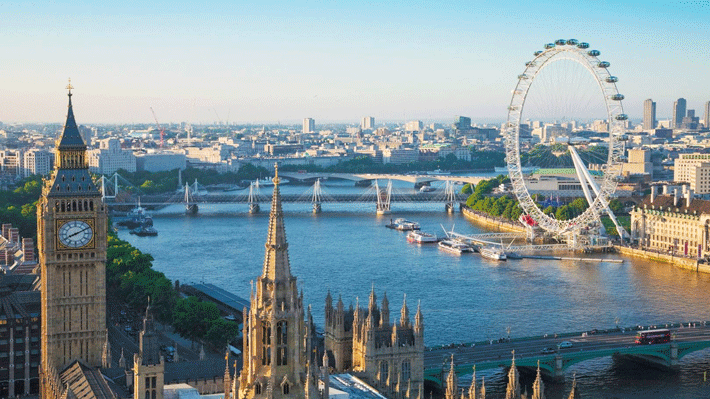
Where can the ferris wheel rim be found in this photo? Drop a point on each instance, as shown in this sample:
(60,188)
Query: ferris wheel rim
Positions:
(578,52)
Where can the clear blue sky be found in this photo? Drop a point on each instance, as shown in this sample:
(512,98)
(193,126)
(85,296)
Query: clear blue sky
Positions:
(271,61)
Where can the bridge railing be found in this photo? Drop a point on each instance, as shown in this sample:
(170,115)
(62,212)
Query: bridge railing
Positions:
(634,329)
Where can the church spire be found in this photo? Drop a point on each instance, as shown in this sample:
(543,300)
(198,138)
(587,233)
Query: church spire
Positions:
(404,313)
(472,388)
(71,149)
(276,263)
(512,391)
(452,382)
(538,386)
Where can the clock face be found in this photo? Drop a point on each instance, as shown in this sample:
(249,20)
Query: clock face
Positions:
(75,233)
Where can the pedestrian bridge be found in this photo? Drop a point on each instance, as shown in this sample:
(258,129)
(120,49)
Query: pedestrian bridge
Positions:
(528,351)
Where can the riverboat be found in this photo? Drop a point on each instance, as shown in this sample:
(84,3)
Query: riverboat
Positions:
(420,237)
(437,172)
(454,247)
(403,225)
(492,253)
(145,231)
(426,189)
(136,217)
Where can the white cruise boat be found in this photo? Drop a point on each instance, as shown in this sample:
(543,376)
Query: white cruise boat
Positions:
(403,225)
(493,253)
(454,247)
(421,237)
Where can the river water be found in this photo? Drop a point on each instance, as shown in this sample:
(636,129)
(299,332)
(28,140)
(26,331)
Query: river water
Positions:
(346,249)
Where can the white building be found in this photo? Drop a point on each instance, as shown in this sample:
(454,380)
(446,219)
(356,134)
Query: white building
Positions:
(368,123)
(309,125)
(36,162)
(11,162)
(160,161)
(110,157)
(399,156)
(414,126)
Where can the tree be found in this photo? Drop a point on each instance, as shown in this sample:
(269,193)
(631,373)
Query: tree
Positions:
(467,189)
(221,332)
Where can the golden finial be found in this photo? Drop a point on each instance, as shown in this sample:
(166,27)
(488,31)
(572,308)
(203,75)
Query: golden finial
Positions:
(69,86)
(276,173)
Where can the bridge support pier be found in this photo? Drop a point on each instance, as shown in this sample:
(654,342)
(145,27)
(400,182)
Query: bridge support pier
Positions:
(254,208)
(450,207)
(317,207)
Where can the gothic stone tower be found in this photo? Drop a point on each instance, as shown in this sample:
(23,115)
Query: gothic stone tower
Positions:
(389,355)
(71,235)
(276,361)
(148,365)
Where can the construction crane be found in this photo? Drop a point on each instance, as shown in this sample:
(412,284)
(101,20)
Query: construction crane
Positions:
(160,128)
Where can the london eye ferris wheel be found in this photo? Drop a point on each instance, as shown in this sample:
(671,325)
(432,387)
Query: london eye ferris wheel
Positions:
(549,81)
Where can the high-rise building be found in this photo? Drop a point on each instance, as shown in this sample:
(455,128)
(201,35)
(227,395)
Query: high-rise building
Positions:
(707,115)
(368,123)
(462,123)
(309,125)
(678,112)
(36,162)
(414,126)
(649,114)
(71,237)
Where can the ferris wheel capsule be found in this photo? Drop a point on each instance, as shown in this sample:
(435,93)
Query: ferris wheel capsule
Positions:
(594,53)
(522,76)
(572,42)
(603,64)
(549,46)
(611,79)
(537,53)
(583,45)
(617,97)
(621,117)
(560,42)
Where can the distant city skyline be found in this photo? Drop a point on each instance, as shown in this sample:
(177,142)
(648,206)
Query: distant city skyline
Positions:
(276,61)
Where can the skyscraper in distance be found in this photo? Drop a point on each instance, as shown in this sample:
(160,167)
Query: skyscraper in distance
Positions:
(309,125)
(707,115)
(368,123)
(678,112)
(649,114)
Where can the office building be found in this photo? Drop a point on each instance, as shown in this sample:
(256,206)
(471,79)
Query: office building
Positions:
(110,157)
(36,162)
(368,123)
(707,115)
(678,112)
(649,114)
(309,125)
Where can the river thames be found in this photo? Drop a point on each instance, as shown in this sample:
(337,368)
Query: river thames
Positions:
(346,249)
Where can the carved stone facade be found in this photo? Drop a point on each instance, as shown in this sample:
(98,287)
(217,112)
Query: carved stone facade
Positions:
(389,356)
(278,361)
(71,233)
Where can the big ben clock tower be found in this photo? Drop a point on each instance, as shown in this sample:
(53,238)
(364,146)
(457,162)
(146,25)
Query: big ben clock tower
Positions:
(71,235)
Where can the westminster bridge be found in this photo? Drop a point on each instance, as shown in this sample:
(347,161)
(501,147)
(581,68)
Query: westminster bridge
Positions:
(617,343)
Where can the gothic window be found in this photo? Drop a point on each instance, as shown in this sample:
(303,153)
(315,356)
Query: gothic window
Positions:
(257,389)
(406,370)
(384,371)
(285,388)
(91,205)
(282,343)
(266,344)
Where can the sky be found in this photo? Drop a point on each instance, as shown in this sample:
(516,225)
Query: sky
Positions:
(335,61)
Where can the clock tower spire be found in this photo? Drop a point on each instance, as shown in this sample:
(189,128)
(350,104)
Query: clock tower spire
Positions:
(72,236)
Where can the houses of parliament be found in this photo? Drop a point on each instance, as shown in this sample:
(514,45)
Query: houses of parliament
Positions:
(280,359)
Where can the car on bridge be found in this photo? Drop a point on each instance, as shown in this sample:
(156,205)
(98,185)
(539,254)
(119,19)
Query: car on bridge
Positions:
(547,351)
(564,344)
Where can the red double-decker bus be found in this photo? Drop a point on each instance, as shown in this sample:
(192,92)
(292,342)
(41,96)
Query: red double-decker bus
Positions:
(653,337)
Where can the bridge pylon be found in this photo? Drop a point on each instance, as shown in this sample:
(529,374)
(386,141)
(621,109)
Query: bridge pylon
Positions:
(383,198)
(253,198)
(317,192)
(191,207)
(450,196)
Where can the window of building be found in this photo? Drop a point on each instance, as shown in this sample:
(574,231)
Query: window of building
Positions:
(384,371)
(257,389)
(406,370)
(266,344)
(285,388)
(282,343)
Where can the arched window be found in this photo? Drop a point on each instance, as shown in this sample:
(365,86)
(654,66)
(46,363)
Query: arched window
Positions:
(257,389)
(384,371)
(285,388)
(282,343)
(266,344)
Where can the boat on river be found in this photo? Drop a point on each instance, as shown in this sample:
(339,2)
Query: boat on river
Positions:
(420,237)
(136,218)
(144,231)
(403,225)
(492,253)
(426,189)
(454,247)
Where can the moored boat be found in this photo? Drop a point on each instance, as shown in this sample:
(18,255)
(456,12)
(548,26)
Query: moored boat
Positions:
(426,189)
(492,253)
(403,225)
(421,237)
(454,247)
(145,231)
